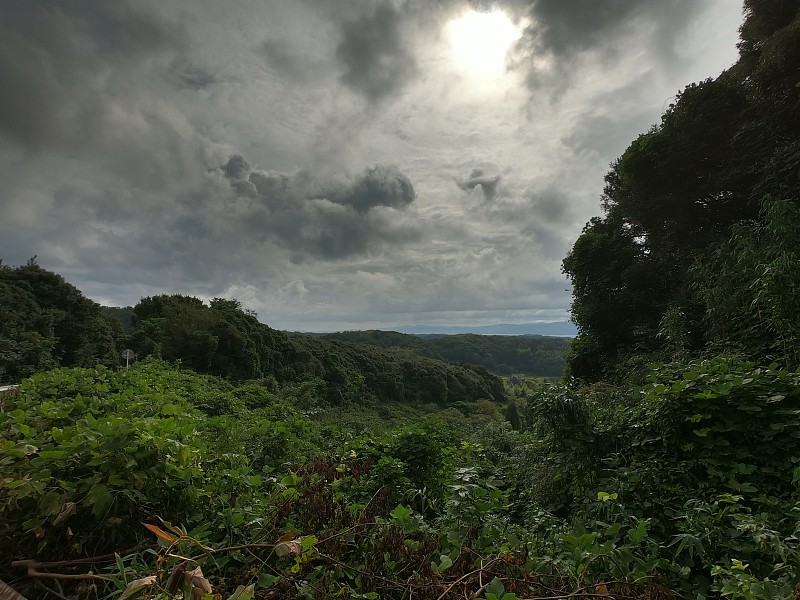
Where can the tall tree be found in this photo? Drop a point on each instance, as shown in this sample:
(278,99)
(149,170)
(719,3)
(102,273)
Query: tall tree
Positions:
(183,328)
(679,189)
(48,322)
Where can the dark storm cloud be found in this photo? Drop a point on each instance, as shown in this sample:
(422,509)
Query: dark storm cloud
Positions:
(550,205)
(292,62)
(564,28)
(56,57)
(477,178)
(378,186)
(327,220)
(236,168)
(560,31)
(375,55)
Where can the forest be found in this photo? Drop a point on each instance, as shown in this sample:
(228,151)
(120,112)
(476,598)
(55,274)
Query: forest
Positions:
(235,461)
(535,355)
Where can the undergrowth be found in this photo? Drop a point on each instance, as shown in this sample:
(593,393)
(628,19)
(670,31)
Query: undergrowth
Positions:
(159,483)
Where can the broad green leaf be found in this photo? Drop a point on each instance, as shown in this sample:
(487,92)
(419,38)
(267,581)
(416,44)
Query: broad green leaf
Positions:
(243,593)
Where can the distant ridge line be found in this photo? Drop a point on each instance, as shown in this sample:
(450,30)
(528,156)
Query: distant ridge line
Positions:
(557,329)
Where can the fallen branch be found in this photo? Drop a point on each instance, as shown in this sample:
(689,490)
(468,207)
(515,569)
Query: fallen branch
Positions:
(464,578)
(32,572)
(32,562)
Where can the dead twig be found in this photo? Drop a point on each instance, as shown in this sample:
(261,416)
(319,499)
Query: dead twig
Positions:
(465,577)
(32,562)
(32,572)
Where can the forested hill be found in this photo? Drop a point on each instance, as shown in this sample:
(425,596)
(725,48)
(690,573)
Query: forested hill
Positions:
(505,355)
(45,322)
(697,246)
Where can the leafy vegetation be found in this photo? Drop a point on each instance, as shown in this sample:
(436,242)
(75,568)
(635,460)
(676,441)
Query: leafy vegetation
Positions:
(723,160)
(684,485)
(666,465)
(46,322)
(538,356)
(223,339)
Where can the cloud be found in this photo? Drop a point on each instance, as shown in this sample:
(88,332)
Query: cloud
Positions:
(193,76)
(374,54)
(56,58)
(378,186)
(245,150)
(560,34)
(236,168)
(328,220)
(477,178)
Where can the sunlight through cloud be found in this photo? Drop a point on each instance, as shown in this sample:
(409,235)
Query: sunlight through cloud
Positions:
(480,41)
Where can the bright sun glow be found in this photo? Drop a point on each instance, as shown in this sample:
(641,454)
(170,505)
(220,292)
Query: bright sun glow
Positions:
(480,41)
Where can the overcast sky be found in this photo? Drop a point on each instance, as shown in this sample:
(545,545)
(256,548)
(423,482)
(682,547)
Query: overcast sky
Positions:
(333,164)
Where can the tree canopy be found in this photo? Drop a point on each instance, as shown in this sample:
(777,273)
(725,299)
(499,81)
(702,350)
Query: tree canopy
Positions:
(47,322)
(679,193)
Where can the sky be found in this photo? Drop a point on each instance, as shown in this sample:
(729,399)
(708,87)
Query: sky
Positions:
(332,164)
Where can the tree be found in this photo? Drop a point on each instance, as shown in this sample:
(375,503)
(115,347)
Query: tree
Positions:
(46,322)
(751,285)
(26,335)
(183,328)
(681,189)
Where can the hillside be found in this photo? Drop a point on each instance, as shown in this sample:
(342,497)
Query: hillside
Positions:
(48,322)
(505,355)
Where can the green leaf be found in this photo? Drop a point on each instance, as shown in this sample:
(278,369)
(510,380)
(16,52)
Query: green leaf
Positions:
(496,587)
(53,454)
(243,593)
(120,567)
(640,533)
(267,580)
(445,562)
(401,513)
(606,497)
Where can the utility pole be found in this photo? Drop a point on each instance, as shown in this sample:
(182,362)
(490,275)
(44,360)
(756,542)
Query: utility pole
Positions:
(128,355)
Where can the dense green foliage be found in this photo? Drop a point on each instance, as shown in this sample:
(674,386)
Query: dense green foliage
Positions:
(724,159)
(46,322)
(688,484)
(534,355)
(309,467)
(223,339)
